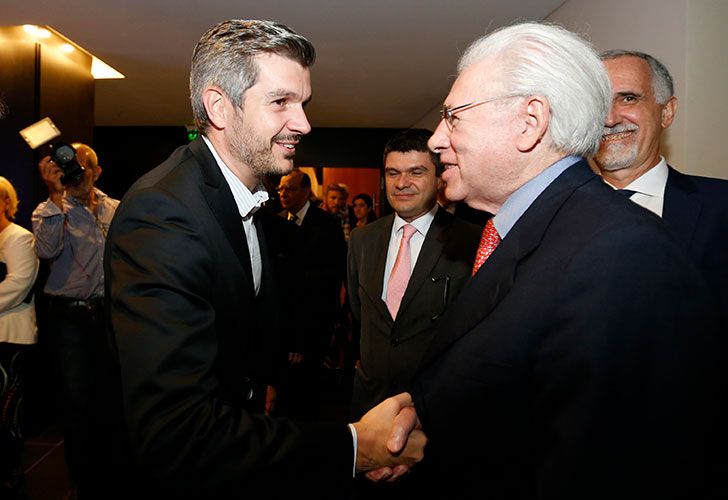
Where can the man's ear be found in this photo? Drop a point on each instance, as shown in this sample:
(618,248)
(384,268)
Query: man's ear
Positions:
(215,105)
(668,112)
(533,121)
(97,172)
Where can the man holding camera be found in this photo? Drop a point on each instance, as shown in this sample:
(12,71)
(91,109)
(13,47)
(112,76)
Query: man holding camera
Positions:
(70,230)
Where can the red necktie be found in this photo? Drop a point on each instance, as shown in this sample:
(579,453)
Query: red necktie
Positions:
(488,243)
(400,275)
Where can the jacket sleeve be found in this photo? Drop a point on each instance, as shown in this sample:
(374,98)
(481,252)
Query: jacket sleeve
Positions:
(185,438)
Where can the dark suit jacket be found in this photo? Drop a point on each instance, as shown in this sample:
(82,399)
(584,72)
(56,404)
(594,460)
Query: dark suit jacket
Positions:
(391,350)
(321,258)
(579,362)
(696,214)
(192,348)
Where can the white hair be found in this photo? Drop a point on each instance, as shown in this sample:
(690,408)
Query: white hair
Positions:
(550,61)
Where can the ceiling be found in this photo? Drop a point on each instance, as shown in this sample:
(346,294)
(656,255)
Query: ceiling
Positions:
(380,63)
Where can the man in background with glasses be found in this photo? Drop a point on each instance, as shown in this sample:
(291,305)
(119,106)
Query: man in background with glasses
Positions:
(581,359)
(321,260)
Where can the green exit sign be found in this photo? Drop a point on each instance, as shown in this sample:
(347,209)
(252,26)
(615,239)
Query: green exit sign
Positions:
(192,134)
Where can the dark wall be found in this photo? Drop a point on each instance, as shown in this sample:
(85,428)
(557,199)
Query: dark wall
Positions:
(35,82)
(343,147)
(19,91)
(126,153)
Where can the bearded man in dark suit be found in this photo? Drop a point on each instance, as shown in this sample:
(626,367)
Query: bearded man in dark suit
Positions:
(190,269)
(694,209)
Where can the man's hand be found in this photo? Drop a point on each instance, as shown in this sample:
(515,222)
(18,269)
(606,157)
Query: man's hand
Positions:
(51,175)
(389,439)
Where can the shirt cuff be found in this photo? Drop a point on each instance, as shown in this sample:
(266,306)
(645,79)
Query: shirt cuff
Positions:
(354,437)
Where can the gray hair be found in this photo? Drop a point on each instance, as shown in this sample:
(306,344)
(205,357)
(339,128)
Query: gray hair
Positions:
(662,85)
(225,57)
(548,60)
(3,109)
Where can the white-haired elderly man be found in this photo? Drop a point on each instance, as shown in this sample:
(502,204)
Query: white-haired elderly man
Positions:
(578,361)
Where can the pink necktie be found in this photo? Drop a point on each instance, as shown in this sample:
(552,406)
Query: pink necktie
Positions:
(399,278)
(488,243)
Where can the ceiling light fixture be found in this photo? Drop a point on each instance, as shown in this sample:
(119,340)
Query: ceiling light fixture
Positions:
(99,69)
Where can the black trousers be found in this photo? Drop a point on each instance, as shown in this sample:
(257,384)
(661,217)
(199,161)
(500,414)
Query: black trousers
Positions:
(12,391)
(79,346)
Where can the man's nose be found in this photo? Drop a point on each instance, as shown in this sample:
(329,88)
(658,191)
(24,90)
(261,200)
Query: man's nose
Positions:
(440,140)
(613,117)
(299,124)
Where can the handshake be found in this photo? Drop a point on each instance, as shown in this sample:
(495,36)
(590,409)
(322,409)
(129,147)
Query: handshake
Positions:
(389,439)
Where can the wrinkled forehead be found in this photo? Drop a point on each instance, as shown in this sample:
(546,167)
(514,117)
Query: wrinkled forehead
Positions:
(629,71)
(483,78)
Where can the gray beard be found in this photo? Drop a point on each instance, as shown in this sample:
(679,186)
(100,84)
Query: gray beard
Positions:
(613,157)
(617,160)
(256,153)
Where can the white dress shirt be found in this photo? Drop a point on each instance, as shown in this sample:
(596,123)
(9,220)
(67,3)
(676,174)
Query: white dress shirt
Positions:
(248,203)
(301,213)
(422,225)
(649,188)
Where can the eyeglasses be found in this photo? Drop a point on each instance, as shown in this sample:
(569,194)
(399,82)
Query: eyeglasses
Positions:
(448,114)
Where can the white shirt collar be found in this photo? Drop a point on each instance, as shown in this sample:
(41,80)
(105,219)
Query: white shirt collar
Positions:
(421,223)
(248,202)
(652,182)
(302,213)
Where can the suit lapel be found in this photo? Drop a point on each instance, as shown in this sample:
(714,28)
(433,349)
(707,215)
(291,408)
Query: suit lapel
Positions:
(220,199)
(495,278)
(430,253)
(681,210)
(374,262)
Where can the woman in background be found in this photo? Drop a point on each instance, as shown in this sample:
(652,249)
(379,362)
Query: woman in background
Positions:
(18,270)
(363,210)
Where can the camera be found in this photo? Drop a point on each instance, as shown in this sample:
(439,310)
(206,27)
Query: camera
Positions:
(64,155)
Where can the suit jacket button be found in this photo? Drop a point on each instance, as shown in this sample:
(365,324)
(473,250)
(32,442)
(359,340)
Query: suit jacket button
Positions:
(395,342)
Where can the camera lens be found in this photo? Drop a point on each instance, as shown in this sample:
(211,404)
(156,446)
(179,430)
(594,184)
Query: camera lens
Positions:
(64,154)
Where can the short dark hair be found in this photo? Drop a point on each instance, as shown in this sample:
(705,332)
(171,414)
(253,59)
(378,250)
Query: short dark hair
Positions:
(365,198)
(413,139)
